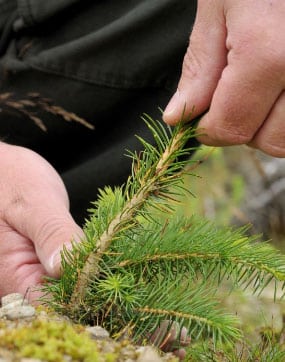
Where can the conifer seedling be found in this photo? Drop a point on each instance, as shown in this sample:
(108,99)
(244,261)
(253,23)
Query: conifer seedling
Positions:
(140,264)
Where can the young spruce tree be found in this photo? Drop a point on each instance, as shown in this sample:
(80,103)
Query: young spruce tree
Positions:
(140,264)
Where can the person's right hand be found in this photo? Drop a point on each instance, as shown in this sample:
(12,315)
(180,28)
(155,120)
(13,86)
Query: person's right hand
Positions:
(35,221)
(233,74)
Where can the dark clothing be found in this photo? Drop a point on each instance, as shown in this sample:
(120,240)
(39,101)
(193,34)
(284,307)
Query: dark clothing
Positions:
(107,61)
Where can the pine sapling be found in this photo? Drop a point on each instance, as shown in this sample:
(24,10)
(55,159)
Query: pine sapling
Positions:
(140,264)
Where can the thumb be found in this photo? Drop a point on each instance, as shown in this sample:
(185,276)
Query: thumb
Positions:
(203,64)
(49,227)
(50,230)
(35,205)
(59,231)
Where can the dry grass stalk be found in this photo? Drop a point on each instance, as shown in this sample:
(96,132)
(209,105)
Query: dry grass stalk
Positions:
(35,102)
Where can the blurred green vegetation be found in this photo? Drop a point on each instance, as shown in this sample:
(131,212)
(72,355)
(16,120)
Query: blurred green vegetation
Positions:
(217,193)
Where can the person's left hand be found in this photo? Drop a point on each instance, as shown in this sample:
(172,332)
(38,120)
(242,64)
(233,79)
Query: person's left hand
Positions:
(35,222)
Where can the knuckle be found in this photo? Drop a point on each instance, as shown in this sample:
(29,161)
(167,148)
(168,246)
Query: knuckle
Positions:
(192,64)
(271,60)
(262,52)
(15,205)
(275,59)
(197,59)
(51,228)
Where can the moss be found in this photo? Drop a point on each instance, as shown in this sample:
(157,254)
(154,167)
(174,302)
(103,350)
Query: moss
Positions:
(50,337)
(53,341)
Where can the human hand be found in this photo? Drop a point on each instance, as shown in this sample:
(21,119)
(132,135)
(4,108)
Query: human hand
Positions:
(34,221)
(234,69)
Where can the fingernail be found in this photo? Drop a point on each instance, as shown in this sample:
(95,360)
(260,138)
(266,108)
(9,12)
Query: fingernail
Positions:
(172,105)
(55,260)
(55,264)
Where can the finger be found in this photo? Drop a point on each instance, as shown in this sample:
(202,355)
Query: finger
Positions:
(20,268)
(253,78)
(48,224)
(271,136)
(50,230)
(202,66)
(38,208)
(236,111)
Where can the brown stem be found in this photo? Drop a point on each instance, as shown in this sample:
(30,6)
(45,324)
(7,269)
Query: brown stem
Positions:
(148,186)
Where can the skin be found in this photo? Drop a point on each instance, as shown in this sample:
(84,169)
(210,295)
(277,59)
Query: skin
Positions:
(234,74)
(35,221)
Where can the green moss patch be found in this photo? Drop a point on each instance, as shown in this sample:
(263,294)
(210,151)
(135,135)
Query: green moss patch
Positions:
(53,341)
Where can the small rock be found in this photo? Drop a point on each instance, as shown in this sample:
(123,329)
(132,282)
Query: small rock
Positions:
(148,354)
(10,298)
(16,304)
(98,332)
(25,311)
(128,352)
(10,306)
